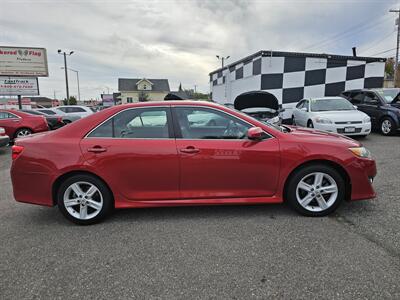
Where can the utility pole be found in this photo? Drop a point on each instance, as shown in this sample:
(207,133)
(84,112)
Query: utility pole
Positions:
(222,59)
(397,44)
(77,79)
(66,70)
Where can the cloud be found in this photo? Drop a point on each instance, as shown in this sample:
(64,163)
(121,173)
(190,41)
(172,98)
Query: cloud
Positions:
(178,39)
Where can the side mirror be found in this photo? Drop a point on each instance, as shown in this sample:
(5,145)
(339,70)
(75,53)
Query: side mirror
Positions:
(255,133)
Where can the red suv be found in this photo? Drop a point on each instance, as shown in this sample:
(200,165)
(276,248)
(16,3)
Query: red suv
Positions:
(19,124)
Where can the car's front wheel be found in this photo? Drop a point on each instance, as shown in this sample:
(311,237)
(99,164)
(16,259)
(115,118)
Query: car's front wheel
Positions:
(315,190)
(387,126)
(310,124)
(84,199)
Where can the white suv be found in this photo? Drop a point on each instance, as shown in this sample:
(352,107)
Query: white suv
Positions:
(76,110)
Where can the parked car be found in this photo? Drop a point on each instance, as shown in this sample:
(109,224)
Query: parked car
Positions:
(260,105)
(332,114)
(382,105)
(66,118)
(171,163)
(18,124)
(4,139)
(76,110)
(54,122)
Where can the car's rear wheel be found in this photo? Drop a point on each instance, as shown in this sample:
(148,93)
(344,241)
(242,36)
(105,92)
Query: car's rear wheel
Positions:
(84,199)
(310,124)
(293,121)
(316,190)
(22,132)
(387,126)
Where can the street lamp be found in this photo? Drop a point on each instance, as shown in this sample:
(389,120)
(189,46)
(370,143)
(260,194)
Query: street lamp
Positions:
(222,59)
(77,79)
(66,72)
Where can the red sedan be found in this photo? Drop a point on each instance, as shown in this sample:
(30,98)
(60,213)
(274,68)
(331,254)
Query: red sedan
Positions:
(18,124)
(171,153)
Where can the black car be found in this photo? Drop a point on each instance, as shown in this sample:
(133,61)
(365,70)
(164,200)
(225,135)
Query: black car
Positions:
(54,122)
(382,105)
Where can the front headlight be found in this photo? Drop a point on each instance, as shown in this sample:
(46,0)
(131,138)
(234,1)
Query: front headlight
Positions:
(361,152)
(367,120)
(323,120)
(274,120)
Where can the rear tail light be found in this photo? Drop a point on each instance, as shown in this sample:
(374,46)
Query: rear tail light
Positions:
(16,151)
(2,131)
(59,119)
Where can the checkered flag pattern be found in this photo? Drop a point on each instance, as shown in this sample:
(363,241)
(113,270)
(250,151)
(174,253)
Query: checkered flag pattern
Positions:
(294,77)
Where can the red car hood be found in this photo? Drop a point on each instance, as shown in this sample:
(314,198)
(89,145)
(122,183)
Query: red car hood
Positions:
(310,134)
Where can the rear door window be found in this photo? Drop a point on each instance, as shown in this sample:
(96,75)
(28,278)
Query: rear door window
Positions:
(143,123)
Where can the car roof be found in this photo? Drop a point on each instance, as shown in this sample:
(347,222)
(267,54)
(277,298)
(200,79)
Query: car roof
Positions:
(16,112)
(325,98)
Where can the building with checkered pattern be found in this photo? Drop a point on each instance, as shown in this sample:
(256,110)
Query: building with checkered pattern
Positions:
(292,76)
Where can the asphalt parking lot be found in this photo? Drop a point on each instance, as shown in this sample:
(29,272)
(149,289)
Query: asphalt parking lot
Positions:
(236,252)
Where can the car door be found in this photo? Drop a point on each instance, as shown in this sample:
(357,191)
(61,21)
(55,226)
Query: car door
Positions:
(296,112)
(135,151)
(9,122)
(303,113)
(371,106)
(218,161)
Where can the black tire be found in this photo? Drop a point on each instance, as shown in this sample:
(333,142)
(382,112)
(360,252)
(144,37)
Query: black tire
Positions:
(293,121)
(290,192)
(310,124)
(390,122)
(107,197)
(19,131)
(66,122)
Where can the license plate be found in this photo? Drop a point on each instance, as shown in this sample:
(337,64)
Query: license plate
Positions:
(349,129)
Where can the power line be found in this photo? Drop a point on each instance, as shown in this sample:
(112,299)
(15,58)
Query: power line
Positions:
(383,52)
(376,43)
(357,28)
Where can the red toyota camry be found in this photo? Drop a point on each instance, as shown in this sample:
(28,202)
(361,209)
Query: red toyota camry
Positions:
(186,153)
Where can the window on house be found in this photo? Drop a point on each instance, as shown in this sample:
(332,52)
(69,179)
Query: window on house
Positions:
(129,100)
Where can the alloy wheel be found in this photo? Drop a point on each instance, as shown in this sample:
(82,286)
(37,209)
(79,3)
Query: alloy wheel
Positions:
(83,200)
(316,192)
(24,132)
(386,126)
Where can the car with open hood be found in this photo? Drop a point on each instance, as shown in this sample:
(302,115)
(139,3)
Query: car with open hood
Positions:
(382,105)
(260,105)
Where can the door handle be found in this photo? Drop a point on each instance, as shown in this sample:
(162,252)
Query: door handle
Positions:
(190,149)
(97,149)
(15,120)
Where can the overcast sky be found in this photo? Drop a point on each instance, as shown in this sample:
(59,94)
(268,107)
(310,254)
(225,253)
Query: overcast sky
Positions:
(178,39)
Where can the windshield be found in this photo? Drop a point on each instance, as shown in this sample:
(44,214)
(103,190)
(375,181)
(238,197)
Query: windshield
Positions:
(388,94)
(331,104)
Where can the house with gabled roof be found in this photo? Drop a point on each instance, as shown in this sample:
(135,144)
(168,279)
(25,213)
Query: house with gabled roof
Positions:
(142,89)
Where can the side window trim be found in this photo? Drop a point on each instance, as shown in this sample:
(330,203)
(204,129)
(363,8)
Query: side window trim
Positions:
(177,129)
(171,131)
